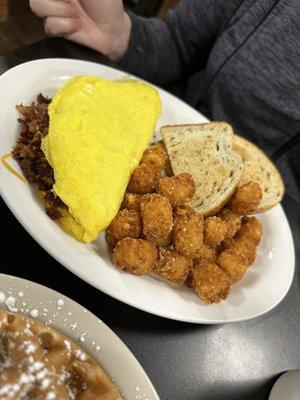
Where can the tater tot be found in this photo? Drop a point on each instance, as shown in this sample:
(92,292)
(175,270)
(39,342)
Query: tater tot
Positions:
(178,189)
(215,231)
(173,266)
(245,247)
(187,234)
(137,256)
(143,179)
(246,199)
(155,157)
(131,201)
(127,223)
(232,220)
(209,282)
(246,239)
(206,253)
(251,230)
(157,216)
(248,249)
(233,263)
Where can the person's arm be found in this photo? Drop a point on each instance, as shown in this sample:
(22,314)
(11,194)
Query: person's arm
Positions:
(162,50)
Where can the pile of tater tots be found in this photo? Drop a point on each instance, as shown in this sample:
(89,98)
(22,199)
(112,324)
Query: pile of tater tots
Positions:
(156,232)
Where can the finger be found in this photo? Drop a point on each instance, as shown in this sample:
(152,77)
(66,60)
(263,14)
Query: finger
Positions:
(52,8)
(55,26)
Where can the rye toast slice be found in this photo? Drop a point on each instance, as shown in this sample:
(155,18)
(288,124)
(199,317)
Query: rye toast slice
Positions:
(205,151)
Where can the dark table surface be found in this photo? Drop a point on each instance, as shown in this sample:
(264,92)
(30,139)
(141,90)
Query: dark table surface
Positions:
(184,361)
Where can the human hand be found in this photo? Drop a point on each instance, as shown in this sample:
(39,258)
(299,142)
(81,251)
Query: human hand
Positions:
(102,25)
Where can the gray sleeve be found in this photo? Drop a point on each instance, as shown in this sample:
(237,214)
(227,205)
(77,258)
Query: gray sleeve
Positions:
(164,50)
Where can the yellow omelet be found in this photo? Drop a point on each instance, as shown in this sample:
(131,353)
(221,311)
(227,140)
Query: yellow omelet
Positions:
(98,131)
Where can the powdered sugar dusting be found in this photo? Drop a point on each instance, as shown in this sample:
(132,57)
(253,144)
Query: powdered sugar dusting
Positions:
(60,302)
(2,297)
(11,301)
(10,304)
(50,396)
(67,345)
(34,313)
(24,347)
(74,326)
(80,355)
(15,300)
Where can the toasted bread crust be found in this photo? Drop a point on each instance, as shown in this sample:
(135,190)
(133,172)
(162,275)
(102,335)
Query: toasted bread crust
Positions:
(259,168)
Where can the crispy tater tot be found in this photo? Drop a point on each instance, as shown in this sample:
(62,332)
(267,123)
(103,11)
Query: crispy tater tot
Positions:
(232,220)
(155,157)
(233,263)
(131,201)
(246,239)
(157,216)
(248,249)
(251,230)
(178,189)
(173,266)
(137,256)
(187,234)
(143,179)
(215,231)
(209,282)
(127,223)
(206,253)
(244,246)
(246,199)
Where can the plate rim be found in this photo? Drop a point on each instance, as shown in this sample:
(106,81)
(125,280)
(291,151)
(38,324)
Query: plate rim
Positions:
(57,257)
(85,310)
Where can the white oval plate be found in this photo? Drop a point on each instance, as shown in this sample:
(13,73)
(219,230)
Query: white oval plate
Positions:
(265,283)
(83,328)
